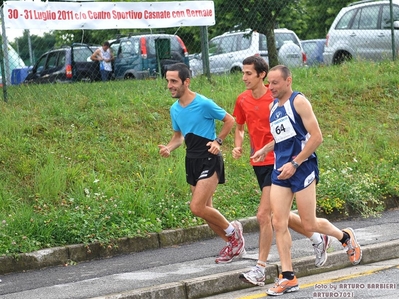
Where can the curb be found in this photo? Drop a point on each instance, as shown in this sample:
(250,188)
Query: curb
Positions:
(227,282)
(61,256)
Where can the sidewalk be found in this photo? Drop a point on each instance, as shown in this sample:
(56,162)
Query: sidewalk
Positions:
(161,268)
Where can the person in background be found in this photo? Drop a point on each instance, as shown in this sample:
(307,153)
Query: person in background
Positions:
(193,119)
(105,56)
(296,135)
(252,109)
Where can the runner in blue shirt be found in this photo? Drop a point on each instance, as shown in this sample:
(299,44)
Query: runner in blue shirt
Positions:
(193,120)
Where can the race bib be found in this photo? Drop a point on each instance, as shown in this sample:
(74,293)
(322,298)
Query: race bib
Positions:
(282,129)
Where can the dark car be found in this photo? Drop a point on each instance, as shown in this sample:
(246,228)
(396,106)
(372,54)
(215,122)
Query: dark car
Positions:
(314,49)
(147,55)
(64,65)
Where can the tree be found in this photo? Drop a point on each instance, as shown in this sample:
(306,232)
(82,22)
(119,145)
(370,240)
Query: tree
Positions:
(39,45)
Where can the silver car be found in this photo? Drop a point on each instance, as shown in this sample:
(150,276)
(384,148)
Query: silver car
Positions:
(227,51)
(362,30)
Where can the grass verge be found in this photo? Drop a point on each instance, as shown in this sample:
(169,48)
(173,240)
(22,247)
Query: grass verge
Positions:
(79,163)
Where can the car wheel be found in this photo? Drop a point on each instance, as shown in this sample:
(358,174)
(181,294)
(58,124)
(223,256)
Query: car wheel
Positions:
(342,57)
(235,70)
(129,76)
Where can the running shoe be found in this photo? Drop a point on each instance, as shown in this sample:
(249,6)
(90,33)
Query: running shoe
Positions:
(237,239)
(320,250)
(254,276)
(235,247)
(352,247)
(283,286)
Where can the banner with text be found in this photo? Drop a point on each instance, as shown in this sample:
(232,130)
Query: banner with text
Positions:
(107,15)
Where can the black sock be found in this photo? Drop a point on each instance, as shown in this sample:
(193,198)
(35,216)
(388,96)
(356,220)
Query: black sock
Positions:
(345,238)
(288,275)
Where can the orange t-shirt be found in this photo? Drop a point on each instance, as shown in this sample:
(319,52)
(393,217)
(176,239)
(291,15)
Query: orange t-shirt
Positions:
(255,113)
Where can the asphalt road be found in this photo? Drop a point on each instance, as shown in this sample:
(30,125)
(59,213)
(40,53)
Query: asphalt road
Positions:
(376,280)
(190,264)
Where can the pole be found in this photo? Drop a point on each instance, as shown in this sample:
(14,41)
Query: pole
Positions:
(4,57)
(205,51)
(392,31)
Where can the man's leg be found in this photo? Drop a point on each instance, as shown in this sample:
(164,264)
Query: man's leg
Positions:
(295,224)
(281,202)
(265,224)
(201,206)
(306,202)
(218,230)
(319,241)
(257,275)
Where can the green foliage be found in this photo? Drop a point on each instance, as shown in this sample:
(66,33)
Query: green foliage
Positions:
(79,163)
(318,17)
(40,44)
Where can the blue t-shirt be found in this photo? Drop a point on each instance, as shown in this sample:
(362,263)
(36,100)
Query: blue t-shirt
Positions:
(196,122)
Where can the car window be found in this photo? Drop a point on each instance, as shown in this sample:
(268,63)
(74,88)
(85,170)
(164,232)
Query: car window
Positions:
(309,47)
(52,60)
(366,18)
(41,63)
(262,42)
(214,46)
(281,38)
(61,58)
(151,45)
(386,17)
(345,21)
(81,54)
(175,45)
(228,44)
(130,47)
(246,40)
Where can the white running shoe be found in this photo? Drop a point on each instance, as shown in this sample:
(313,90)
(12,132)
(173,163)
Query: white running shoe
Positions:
(320,250)
(254,276)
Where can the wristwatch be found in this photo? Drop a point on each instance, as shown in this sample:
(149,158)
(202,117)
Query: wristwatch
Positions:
(296,165)
(219,140)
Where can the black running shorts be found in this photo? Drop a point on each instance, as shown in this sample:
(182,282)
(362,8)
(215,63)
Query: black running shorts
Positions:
(203,168)
(264,175)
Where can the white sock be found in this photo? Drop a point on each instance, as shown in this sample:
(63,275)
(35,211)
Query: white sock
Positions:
(316,238)
(229,230)
(261,265)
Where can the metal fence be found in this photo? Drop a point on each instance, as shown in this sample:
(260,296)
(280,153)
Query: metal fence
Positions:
(243,28)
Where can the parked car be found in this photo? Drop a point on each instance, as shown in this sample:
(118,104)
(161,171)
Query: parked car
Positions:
(64,65)
(314,49)
(227,51)
(362,30)
(147,55)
